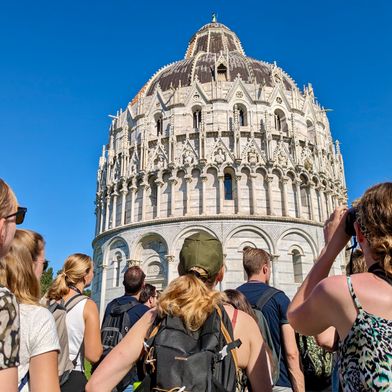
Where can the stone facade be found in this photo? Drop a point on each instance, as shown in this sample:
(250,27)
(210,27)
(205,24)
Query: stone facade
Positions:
(222,143)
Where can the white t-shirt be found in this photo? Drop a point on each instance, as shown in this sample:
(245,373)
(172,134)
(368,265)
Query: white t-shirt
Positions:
(38,335)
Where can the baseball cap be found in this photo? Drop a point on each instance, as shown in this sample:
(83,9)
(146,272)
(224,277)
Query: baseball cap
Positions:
(201,250)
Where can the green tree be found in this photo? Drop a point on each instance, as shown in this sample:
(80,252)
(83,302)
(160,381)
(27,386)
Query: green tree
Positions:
(46,280)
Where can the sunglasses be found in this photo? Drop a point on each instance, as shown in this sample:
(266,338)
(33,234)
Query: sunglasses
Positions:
(46,263)
(19,214)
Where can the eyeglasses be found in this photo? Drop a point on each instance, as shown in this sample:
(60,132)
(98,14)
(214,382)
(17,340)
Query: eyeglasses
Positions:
(46,263)
(19,214)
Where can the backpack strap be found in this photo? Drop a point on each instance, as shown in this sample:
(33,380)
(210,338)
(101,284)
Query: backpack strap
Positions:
(266,296)
(24,381)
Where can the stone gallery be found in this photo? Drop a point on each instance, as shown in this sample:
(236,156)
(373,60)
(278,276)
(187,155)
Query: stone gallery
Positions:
(222,143)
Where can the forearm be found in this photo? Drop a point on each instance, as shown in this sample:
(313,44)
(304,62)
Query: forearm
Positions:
(296,375)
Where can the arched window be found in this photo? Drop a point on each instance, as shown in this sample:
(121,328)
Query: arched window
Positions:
(222,73)
(159,126)
(241,117)
(297,266)
(196,119)
(228,187)
(280,121)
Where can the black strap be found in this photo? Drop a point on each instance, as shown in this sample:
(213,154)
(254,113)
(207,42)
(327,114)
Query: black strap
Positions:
(266,296)
(377,270)
(24,381)
(75,289)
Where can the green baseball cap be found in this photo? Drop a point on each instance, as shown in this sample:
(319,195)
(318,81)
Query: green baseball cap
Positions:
(203,251)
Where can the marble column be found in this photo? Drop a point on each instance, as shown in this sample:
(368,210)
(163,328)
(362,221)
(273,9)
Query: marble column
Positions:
(298,198)
(173,182)
(114,210)
(144,187)
(312,214)
(107,212)
(133,190)
(238,193)
(270,208)
(124,192)
(203,194)
(102,305)
(285,204)
(221,192)
(171,268)
(320,203)
(253,199)
(275,272)
(188,181)
(159,184)
(101,213)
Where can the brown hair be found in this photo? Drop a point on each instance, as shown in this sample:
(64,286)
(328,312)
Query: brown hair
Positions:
(17,273)
(358,263)
(33,241)
(374,217)
(253,260)
(239,301)
(75,268)
(133,280)
(7,199)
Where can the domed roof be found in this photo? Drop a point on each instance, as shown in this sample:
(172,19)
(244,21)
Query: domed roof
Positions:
(214,53)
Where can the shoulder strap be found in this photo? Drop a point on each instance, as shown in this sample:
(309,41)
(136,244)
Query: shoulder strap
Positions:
(24,381)
(354,297)
(266,296)
(234,319)
(73,301)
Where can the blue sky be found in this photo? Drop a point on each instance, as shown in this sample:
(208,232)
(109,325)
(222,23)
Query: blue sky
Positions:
(65,66)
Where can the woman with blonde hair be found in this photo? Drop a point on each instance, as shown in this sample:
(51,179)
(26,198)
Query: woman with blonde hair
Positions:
(358,306)
(39,344)
(84,339)
(10,216)
(191,298)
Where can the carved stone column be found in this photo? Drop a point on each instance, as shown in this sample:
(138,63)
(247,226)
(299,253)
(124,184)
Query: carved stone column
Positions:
(103,291)
(173,182)
(221,193)
(253,200)
(101,213)
(133,263)
(124,192)
(320,202)
(114,209)
(238,193)
(107,212)
(188,181)
(144,187)
(203,194)
(270,209)
(133,190)
(298,198)
(312,213)
(285,204)
(171,267)
(159,184)
(275,272)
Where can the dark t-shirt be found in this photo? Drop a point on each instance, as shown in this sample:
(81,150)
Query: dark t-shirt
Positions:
(275,312)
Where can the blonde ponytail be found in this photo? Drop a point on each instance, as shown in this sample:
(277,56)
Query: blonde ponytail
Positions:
(188,298)
(75,268)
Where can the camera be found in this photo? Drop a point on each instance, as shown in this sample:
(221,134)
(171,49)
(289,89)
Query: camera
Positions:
(350,219)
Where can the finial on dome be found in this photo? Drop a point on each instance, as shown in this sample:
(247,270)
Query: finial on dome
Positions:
(214,18)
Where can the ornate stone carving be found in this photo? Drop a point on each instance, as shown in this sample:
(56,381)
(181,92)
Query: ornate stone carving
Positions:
(219,156)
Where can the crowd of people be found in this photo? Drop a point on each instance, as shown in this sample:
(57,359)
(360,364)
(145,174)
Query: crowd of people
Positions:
(192,337)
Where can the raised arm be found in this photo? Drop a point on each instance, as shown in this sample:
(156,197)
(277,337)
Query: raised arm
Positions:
(118,362)
(92,334)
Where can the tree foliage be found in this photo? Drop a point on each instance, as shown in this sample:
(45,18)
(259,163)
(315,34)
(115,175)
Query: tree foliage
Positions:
(46,280)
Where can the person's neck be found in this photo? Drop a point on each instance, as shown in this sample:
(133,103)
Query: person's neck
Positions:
(80,286)
(257,278)
(133,295)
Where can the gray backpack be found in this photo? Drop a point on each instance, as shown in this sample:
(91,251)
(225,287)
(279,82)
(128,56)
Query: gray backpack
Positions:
(59,311)
(265,331)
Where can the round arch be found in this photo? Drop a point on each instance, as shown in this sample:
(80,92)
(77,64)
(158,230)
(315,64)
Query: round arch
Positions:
(304,235)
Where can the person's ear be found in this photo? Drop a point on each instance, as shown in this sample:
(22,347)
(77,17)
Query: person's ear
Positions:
(221,274)
(265,269)
(360,237)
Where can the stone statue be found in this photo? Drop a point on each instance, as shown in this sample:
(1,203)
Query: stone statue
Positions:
(187,157)
(220,157)
(252,156)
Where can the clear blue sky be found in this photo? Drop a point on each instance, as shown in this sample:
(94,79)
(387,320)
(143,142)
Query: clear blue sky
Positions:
(66,65)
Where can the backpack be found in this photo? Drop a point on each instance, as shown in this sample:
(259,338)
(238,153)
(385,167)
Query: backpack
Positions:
(265,331)
(181,360)
(59,311)
(114,327)
(316,363)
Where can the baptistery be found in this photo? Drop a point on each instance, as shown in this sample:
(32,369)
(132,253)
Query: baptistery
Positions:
(222,143)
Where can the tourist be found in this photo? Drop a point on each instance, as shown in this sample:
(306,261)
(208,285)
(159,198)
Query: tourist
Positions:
(39,345)
(359,307)
(82,320)
(191,298)
(10,216)
(257,265)
(148,295)
(131,304)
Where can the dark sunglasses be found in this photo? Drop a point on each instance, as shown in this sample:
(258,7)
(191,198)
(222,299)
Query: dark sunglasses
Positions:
(46,263)
(19,214)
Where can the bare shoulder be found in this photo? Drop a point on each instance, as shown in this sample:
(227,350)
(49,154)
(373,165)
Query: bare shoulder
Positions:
(90,304)
(332,286)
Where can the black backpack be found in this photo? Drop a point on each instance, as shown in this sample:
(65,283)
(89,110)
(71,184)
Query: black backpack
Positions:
(114,327)
(180,360)
(265,330)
